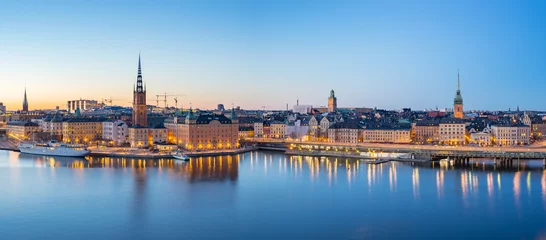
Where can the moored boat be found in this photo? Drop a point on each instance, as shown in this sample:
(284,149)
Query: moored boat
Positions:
(180,155)
(53,148)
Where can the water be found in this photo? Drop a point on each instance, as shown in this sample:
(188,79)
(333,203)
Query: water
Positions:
(266,195)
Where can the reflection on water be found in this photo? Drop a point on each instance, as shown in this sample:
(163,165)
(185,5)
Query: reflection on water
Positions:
(298,186)
(197,169)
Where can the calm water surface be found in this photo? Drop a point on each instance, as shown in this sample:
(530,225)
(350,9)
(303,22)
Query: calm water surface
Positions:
(267,195)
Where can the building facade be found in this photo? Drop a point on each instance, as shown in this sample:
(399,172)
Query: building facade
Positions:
(452,131)
(115,132)
(207,131)
(278,130)
(21,130)
(481,138)
(426,132)
(138,137)
(389,135)
(82,130)
(344,133)
(511,134)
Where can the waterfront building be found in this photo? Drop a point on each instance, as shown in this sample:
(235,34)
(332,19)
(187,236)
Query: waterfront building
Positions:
(452,131)
(326,123)
(138,137)
(538,129)
(246,132)
(332,102)
(278,130)
(511,134)
(344,132)
(82,130)
(157,135)
(21,130)
(115,132)
(297,129)
(426,132)
(25,102)
(458,101)
(204,131)
(82,104)
(386,135)
(259,129)
(481,138)
(314,127)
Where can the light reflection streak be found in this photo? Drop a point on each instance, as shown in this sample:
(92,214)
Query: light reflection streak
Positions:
(415,182)
(543,184)
(440,183)
(490,185)
(517,188)
(529,183)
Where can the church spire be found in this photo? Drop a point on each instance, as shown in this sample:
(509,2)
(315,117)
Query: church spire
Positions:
(458,80)
(139,69)
(139,87)
(25,101)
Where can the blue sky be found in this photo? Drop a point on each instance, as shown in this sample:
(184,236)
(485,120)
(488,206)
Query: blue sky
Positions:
(384,54)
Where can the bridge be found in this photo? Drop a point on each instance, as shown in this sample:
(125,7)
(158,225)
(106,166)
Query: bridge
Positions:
(416,153)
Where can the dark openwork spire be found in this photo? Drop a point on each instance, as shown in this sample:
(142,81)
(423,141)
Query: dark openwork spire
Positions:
(139,87)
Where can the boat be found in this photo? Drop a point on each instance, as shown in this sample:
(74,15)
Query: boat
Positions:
(54,148)
(180,155)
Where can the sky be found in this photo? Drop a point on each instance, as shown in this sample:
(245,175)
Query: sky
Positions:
(266,54)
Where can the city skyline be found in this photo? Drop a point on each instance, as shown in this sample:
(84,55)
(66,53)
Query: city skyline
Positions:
(255,55)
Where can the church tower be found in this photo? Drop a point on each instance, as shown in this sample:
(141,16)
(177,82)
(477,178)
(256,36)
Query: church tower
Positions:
(332,102)
(140,115)
(25,102)
(458,101)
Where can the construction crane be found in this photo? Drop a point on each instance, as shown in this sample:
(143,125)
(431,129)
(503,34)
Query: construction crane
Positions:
(165,98)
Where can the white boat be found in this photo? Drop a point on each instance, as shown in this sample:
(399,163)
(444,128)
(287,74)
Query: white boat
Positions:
(180,155)
(54,148)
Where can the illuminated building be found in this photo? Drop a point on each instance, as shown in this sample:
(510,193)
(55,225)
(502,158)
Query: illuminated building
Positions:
(482,138)
(204,131)
(344,132)
(386,135)
(82,130)
(426,132)
(278,130)
(452,131)
(511,134)
(115,132)
(138,137)
(21,129)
